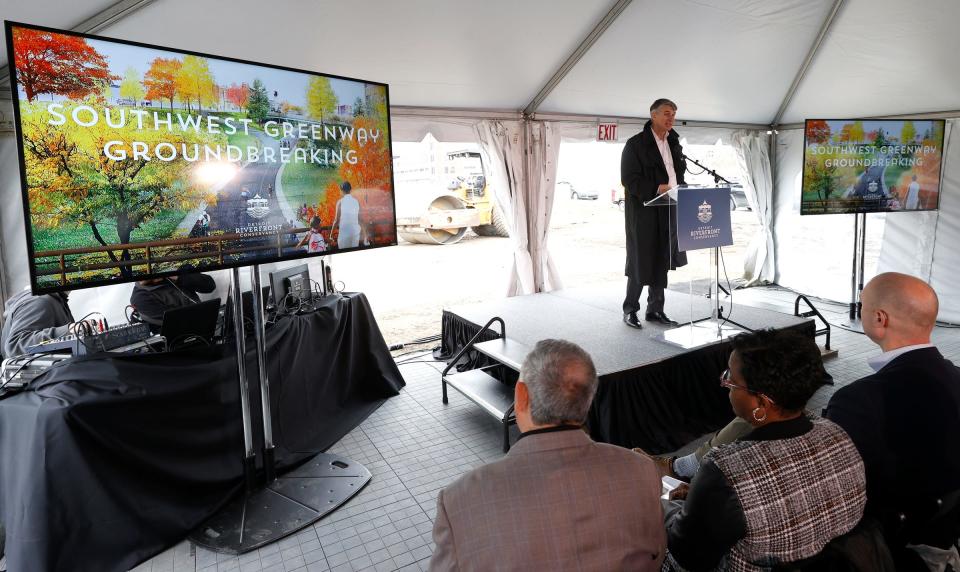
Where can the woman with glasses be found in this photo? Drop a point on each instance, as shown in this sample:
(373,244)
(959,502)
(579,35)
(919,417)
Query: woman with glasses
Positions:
(780,493)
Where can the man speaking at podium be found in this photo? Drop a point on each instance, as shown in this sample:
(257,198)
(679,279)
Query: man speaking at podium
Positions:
(652,163)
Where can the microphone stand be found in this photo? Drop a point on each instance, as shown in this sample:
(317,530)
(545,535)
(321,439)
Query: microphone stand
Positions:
(716,177)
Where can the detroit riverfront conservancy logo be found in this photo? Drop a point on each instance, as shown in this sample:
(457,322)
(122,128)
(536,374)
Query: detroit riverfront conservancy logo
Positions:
(705,212)
(257,207)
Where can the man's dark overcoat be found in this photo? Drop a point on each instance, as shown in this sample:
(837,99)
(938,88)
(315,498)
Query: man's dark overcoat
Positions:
(641,171)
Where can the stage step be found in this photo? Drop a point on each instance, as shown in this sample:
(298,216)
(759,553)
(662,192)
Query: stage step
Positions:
(495,397)
(505,351)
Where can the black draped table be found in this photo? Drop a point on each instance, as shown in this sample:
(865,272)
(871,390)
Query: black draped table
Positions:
(109,459)
(651,395)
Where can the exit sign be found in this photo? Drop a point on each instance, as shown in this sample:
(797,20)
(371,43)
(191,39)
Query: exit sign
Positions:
(607,132)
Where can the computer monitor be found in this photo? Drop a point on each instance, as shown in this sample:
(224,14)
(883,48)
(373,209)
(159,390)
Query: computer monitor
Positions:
(186,324)
(290,286)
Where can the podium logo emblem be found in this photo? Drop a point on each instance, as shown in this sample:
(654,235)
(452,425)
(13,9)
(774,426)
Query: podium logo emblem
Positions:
(705,212)
(257,207)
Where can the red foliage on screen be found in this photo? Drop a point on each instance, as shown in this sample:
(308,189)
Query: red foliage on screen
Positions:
(58,63)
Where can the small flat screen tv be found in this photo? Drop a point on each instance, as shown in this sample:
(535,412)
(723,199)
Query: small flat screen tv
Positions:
(291,286)
(137,161)
(871,165)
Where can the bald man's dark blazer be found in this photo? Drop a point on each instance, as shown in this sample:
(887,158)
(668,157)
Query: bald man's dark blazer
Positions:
(905,421)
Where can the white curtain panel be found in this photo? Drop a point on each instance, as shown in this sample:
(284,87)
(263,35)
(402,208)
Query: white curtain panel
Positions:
(945,266)
(544,142)
(501,145)
(753,155)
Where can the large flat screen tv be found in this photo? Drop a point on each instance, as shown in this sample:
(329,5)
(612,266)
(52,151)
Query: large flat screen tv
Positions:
(138,161)
(869,165)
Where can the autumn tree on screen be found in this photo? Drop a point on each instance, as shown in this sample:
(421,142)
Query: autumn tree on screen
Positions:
(238,95)
(60,64)
(195,83)
(288,108)
(908,133)
(130,87)
(372,169)
(818,131)
(819,178)
(377,108)
(160,80)
(321,100)
(856,133)
(72,182)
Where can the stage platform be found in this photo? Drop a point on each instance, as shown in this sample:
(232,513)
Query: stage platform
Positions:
(652,394)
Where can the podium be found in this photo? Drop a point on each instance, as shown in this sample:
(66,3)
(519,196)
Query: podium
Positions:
(702,221)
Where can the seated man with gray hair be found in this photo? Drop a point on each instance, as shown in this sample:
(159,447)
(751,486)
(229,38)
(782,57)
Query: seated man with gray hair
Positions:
(557,500)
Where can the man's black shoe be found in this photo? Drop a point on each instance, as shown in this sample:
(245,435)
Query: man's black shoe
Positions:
(661,318)
(631,319)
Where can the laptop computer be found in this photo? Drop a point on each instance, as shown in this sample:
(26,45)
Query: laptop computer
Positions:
(191,324)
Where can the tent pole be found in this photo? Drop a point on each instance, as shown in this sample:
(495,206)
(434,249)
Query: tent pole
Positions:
(577,54)
(824,28)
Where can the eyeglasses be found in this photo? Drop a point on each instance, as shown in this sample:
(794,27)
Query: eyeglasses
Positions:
(726,381)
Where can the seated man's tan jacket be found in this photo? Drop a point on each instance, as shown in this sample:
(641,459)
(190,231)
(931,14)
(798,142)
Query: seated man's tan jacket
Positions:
(557,501)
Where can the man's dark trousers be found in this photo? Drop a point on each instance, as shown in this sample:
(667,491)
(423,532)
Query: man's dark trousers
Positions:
(655,297)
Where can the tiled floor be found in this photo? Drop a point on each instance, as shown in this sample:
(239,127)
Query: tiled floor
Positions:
(414,445)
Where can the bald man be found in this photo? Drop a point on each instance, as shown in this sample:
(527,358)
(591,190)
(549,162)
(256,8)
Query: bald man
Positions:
(905,418)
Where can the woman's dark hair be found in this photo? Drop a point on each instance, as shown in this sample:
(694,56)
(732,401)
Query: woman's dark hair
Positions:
(315,222)
(783,365)
(345,187)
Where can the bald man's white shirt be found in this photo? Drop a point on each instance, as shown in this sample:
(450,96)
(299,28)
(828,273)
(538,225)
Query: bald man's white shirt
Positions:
(877,363)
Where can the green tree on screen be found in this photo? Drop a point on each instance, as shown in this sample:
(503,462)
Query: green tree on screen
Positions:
(258,103)
(881,138)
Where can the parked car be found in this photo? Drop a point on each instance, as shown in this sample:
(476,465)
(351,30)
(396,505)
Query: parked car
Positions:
(577,194)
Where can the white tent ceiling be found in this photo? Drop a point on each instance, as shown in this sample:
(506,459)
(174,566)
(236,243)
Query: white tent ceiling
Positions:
(721,60)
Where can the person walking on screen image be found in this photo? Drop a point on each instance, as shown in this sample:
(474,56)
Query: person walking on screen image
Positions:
(652,163)
(313,239)
(913,195)
(347,219)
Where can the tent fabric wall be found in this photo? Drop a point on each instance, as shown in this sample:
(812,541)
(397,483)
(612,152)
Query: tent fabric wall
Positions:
(584,131)
(924,244)
(414,129)
(753,155)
